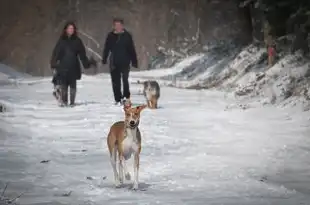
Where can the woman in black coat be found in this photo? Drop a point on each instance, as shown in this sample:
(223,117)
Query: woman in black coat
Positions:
(65,63)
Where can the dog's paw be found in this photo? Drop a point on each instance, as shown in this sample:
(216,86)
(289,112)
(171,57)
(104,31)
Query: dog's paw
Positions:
(118,184)
(121,180)
(127,177)
(135,187)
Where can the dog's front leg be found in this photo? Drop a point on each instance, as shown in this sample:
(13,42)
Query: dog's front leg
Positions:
(150,104)
(127,174)
(113,163)
(121,168)
(136,171)
(156,106)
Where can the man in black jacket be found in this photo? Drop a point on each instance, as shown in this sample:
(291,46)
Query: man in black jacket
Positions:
(120,46)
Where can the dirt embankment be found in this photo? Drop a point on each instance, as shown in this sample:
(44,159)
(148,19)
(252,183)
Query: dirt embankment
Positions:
(29,29)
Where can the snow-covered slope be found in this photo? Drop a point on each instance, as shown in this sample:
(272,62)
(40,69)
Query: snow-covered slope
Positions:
(7,74)
(178,68)
(194,150)
(242,73)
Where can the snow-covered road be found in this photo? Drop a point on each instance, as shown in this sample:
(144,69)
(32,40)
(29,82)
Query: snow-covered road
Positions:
(194,152)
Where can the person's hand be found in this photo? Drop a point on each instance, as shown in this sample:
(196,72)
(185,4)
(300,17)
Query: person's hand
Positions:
(54,71)
(135,65)
(92,62)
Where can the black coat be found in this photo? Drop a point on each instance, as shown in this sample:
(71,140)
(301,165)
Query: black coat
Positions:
(122,49)
(65,58)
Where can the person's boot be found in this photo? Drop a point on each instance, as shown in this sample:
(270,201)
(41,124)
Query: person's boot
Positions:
(64,96)
(72,96)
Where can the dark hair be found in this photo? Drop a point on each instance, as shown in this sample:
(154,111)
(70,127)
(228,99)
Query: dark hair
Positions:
(118,20)
(69,23)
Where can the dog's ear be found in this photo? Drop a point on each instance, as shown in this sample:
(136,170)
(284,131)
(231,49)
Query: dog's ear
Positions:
(141,107)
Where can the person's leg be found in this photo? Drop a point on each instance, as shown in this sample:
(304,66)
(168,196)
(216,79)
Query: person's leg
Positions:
(125,76)
(64,82)
(72,86)
(116,84)
(64,93)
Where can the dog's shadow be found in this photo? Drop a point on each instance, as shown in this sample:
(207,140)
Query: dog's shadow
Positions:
(86,103)
(142,186)
(158,108)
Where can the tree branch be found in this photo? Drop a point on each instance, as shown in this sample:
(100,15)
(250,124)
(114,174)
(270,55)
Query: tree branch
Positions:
(94,52)
(3,192)
(90,37)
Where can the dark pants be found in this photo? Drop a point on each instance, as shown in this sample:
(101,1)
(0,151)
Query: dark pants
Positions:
(64,89)
(118,74)
(62,83)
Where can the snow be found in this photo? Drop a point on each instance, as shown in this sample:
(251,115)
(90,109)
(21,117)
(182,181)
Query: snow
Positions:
(194,150)
(200,68)
(179,67)
(7,74)
(242,72)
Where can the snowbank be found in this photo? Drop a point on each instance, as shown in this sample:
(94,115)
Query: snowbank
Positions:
(9,75)
(179,67)
(244,74)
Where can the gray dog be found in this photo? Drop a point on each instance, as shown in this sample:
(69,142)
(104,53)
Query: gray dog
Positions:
(151,92)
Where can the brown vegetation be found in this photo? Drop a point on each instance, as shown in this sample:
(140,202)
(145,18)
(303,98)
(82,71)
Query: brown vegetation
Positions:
(29,29)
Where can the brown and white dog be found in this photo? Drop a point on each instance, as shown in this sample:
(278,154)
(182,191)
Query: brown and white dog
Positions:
(124,140)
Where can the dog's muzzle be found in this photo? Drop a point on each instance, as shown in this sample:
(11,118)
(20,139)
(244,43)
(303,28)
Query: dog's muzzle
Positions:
(133,124)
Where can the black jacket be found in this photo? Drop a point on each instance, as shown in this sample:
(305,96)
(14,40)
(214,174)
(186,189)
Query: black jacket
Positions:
(66,55)
(122,49)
